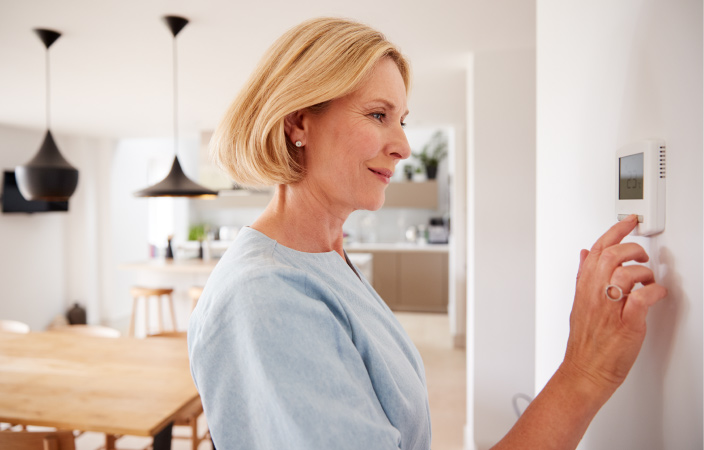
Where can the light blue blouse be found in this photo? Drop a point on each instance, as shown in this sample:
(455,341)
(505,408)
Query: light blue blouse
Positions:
(292,350)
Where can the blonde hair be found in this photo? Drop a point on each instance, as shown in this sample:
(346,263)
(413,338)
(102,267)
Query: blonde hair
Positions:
(310,65)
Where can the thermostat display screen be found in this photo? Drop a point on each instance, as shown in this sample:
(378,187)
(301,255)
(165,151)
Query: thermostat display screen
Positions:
(631,177)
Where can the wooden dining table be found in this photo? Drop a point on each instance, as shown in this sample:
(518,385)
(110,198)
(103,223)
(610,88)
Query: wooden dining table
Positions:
(116,386)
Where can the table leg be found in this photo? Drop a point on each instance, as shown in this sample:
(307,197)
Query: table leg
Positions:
(162,440)
(110,441)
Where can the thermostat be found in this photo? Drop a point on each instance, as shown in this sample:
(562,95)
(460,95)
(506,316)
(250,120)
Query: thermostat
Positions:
(640,185)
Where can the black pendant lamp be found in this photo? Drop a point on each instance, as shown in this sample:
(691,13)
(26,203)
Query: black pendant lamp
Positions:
(47,176)
(176,183)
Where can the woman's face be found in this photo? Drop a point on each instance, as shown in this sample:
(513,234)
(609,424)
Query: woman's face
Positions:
(352,147)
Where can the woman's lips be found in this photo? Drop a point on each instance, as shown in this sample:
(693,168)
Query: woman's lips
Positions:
(383,174)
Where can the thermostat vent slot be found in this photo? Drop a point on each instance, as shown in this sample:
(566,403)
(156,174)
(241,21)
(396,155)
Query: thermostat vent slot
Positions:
(663,162)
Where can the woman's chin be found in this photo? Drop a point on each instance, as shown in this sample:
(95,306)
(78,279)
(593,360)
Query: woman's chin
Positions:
(376,204)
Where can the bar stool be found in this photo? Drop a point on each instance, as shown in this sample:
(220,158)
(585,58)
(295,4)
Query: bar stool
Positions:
(138,292)
(195,292)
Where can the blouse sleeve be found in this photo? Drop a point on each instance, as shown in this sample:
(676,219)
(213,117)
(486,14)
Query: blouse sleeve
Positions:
(276,368)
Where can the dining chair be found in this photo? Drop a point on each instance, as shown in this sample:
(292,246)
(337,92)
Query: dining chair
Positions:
(13,326)
(89,330)
(37,440)
(189,416)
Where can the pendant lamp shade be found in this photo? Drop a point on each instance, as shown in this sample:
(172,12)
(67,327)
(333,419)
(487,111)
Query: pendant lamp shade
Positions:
(176,183)
(47,176)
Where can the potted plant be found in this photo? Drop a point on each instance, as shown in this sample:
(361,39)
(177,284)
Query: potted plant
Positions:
(197,233)
(432,153)
(408,170)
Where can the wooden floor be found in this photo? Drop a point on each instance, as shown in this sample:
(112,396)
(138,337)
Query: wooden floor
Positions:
(446,376)
(445,369)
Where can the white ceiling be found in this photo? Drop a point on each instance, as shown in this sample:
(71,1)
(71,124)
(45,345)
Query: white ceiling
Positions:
(111,69)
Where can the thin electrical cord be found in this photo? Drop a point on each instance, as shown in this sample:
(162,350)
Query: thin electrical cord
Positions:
(47,90)
(514,401)
(175,100)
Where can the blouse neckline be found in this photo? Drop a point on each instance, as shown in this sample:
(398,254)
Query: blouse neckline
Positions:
(301,254)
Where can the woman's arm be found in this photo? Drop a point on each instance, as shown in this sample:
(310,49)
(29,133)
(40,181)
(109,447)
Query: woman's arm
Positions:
(605,338)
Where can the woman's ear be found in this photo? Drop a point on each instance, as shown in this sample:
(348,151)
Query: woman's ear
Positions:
(293,127)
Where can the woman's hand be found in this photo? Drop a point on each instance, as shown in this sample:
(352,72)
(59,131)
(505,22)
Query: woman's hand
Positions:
(606,335)
(605,338)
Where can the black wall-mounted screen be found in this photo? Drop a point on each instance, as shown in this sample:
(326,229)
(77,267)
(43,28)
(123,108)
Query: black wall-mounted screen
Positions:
(13,202)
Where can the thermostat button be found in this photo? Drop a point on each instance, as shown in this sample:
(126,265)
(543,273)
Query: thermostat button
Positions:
(620,217)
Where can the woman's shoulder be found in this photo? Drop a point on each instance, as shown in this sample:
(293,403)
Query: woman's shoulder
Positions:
(254,279)
(251,262)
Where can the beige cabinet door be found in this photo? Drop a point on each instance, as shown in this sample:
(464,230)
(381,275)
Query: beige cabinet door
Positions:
(385,279)
(411,281)
(423,279)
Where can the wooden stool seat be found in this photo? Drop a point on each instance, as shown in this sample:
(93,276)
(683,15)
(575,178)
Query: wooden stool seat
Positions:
(147,293)
(138,291)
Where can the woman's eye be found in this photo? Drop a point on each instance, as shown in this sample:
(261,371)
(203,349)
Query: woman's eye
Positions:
(378,116)
(403,124)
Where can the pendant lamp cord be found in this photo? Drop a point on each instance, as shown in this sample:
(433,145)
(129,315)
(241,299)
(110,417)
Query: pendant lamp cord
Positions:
(175,101)
(47,90)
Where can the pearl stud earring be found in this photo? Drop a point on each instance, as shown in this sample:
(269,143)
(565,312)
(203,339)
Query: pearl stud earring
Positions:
(299,144)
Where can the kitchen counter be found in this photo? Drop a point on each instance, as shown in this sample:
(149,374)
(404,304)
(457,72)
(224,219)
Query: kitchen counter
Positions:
(409,277)
(203,267)
(190,266)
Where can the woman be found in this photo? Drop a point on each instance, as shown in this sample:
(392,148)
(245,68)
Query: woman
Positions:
(290,347)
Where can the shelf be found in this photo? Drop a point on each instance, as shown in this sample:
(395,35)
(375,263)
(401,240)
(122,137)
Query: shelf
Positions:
(398,195)
(412,194)
(238,199)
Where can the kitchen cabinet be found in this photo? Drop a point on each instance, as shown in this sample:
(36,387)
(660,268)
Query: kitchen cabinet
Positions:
(410,279)
(422,281)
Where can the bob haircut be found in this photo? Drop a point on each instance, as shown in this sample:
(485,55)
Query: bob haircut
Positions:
(313,63)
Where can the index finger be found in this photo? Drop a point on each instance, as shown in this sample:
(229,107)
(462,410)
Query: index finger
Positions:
(616,233)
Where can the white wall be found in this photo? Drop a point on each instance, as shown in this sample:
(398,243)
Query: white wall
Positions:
(502,240)
(48,260)
(609,73)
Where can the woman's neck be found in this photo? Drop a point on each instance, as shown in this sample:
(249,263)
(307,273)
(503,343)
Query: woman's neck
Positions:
(302,221)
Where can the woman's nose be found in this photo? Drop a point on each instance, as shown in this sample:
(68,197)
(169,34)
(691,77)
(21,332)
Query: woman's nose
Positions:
(400,148)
